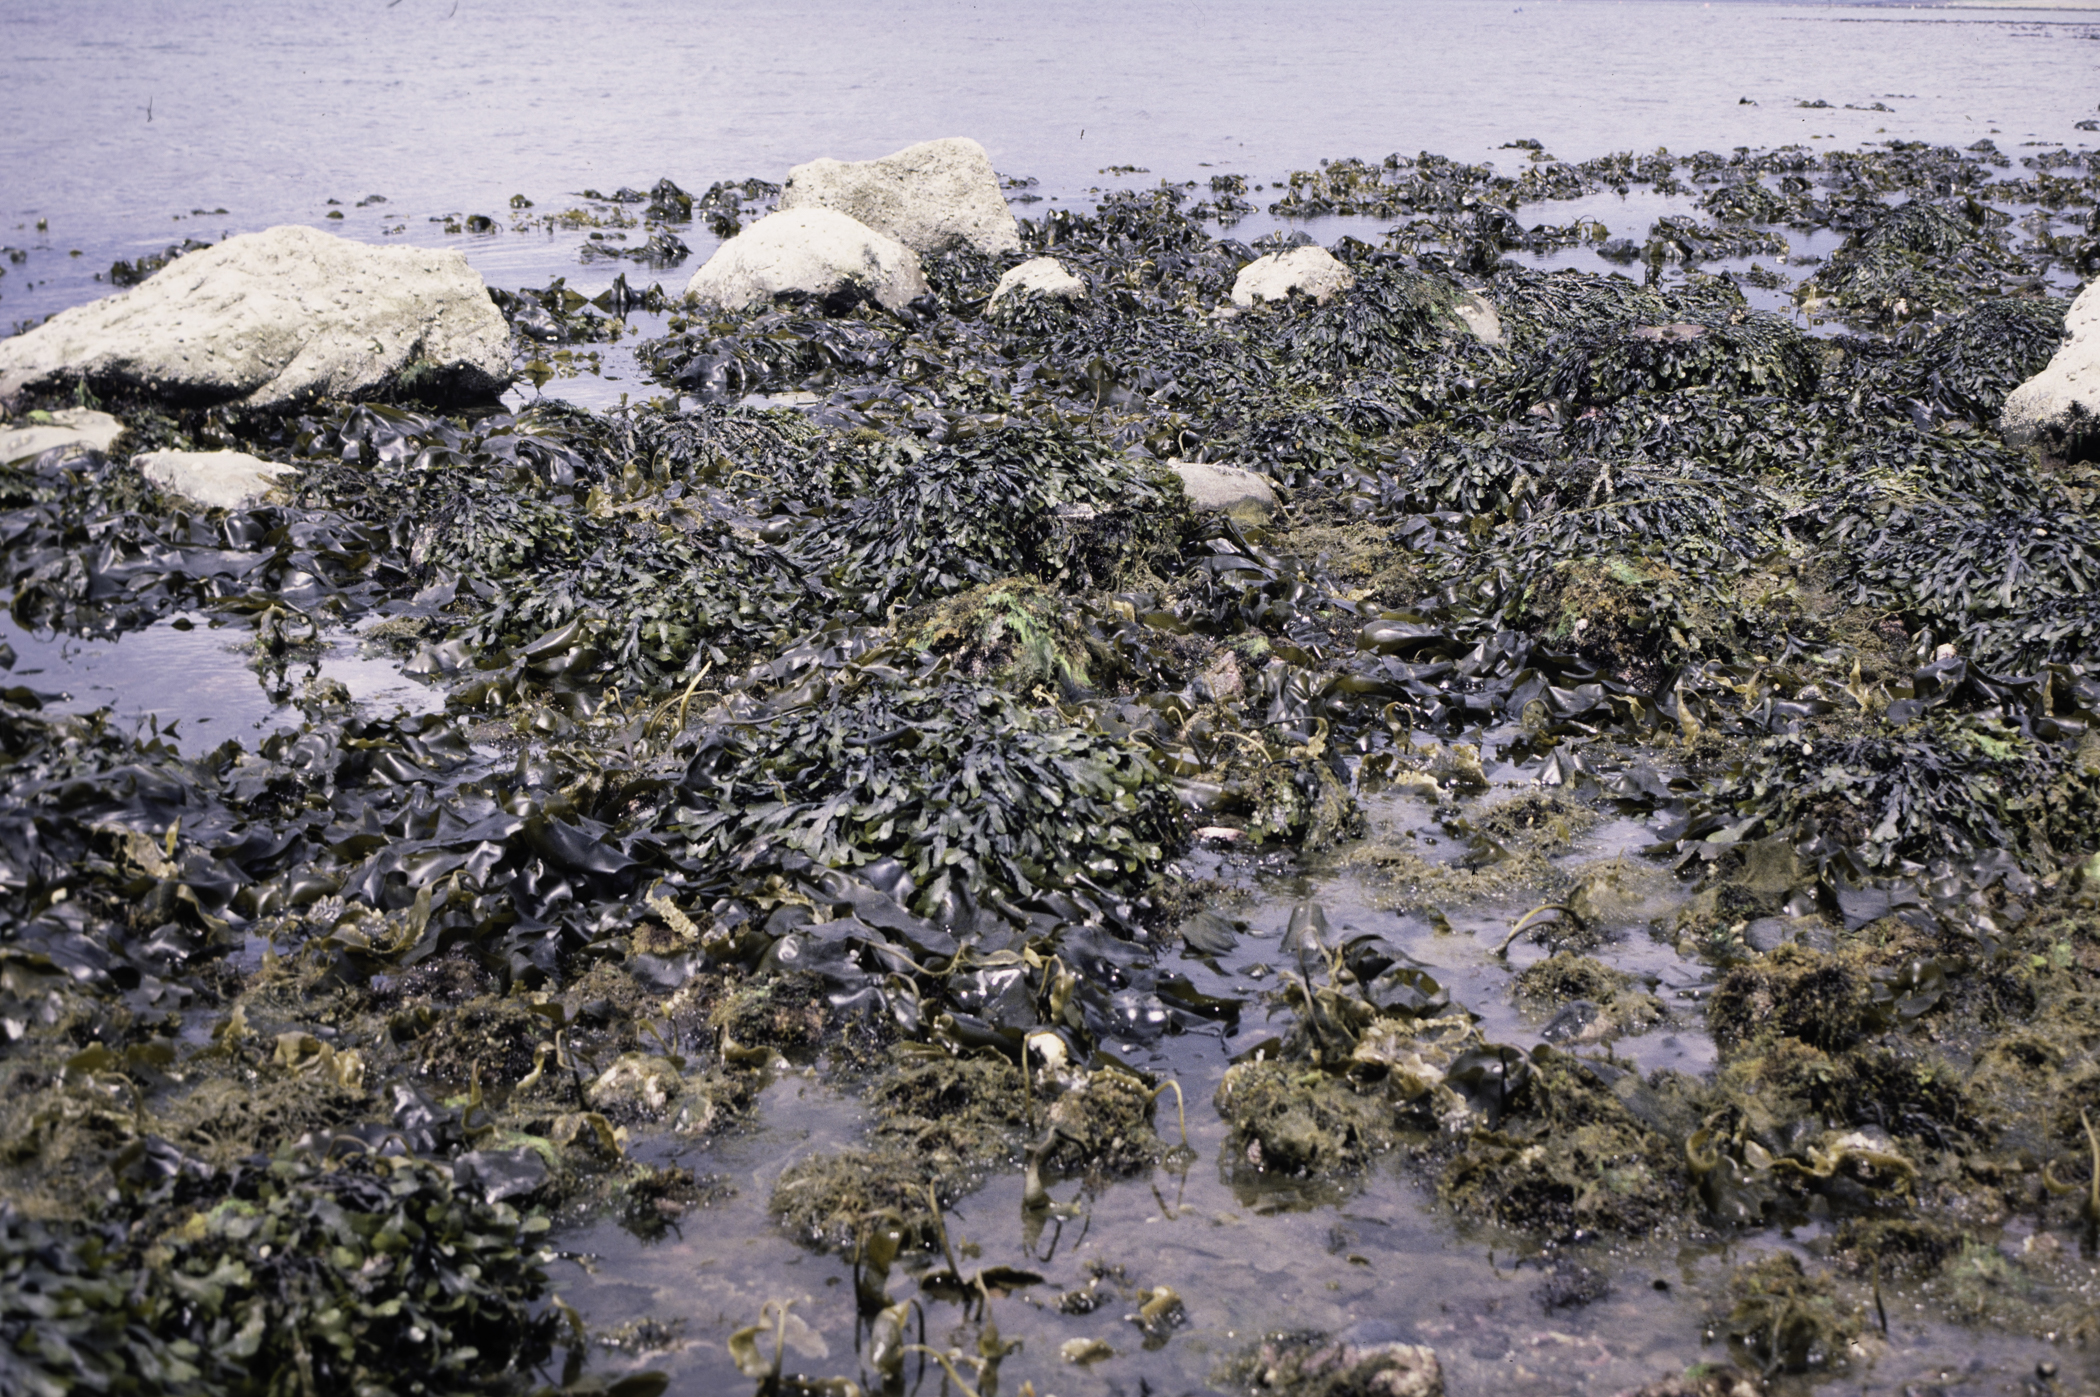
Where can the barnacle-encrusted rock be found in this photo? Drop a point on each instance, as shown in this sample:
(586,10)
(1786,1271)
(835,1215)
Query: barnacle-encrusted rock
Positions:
(819,252)
(74,429)
(1041,276)
(1478,315)
(930,197)
(1311,271)
(1232,489)
(1305,1364)
(2060,406)
(277,318)
(635,1087)
(215,479)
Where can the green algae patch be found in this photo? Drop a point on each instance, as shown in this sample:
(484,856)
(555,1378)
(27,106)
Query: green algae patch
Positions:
(1625,617)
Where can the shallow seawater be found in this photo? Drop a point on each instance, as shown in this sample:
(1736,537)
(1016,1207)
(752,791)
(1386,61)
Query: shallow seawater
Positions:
(200,680)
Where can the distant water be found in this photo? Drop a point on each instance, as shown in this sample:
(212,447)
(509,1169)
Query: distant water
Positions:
(119,117)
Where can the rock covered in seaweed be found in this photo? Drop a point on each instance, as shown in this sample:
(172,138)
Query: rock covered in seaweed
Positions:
(818,252)
(931,197)
(1038,276)
(1310,271)
(278,318)
(215,479)
(2059,408)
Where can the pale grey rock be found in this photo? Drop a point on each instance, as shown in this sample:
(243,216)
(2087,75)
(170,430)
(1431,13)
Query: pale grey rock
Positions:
(1228,488)
(76,430)
(1310,271)
(930,197)
(2059,408)
(1043,276)
(215,479)
(278,318)
(636,1085)
(817,251)
(1478,315)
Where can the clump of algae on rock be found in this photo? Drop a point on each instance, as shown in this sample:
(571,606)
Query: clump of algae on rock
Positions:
(938,1126)
(1294,1120)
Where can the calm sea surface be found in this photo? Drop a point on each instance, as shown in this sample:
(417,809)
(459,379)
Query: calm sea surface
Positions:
(119,117)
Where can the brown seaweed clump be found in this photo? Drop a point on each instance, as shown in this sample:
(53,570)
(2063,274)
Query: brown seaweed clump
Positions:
(940,1125)
(1102,1128)
(1593,1002)
(1295,1121)
(1788,1319)
(1569,1160)
(1796,992)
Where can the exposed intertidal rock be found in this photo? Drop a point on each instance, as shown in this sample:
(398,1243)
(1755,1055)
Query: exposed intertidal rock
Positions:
(71,430)
(817,252)
(215,479)
(1309,271)
(1228,489)
(931,197)
(2059,408)
(279,318)
(1038,276)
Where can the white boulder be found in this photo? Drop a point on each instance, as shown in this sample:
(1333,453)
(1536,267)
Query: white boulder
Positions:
(1042,276)
(1478,315)
(818,251)
(930,197)
(214,479)
(1310,271)
(2060,406)
(1230,489)
(278,318)
(75,430)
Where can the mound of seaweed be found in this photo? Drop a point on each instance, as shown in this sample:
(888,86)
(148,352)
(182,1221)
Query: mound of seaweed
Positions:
(284,1275)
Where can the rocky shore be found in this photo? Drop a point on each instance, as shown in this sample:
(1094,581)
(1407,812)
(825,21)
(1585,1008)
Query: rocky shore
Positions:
(942,735)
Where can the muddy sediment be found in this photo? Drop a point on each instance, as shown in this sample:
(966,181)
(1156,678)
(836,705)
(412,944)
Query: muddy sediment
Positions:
(1634,799)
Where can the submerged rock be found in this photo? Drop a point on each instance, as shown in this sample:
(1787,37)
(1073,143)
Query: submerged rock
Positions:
(277,318)
(1314,1365)
(215,479)
(1231,489)
(931,197)
(816,251)
(1311,271)
(75,430)
(1042,276)
(2059,408)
